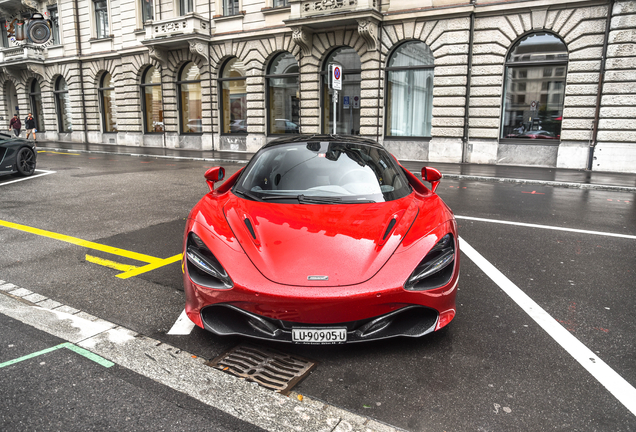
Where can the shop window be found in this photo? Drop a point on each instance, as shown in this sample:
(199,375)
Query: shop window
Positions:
(409,95)
(348,106)
(233,94)
(152,101)
(35,97)
(189,89)
(283,97)
(107,103)
(540,59)
(63,106)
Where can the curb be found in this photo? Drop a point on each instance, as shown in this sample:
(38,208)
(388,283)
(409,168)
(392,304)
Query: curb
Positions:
(181,370)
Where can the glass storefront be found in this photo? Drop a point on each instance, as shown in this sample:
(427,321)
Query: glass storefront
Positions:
(152,101)
(283,95)
(534,88)
(409,104)
(348,106)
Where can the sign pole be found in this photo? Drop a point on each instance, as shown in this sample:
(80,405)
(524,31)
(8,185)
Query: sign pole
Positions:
(335,110)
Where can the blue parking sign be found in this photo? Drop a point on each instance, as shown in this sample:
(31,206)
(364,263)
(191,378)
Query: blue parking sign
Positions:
(345,102)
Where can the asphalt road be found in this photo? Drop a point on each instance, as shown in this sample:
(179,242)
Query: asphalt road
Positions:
(493,369)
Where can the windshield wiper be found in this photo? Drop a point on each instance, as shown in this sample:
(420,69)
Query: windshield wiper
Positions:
(312,199)
(247,195)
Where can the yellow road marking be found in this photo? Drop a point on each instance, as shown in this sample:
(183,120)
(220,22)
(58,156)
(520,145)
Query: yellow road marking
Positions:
(62,153)
(84,243)
(110,264)
(147,268)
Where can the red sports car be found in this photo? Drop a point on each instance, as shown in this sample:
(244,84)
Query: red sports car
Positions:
(321,239)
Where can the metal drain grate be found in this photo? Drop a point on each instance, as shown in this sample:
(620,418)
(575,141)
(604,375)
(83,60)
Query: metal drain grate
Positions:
(271,369)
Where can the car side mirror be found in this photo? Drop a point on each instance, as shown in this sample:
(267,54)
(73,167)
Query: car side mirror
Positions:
(213,175)
(432,176)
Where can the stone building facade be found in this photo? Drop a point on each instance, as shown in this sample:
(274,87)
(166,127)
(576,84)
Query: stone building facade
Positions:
(523,82)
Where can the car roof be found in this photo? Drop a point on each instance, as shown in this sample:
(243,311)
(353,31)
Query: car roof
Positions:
(345,139)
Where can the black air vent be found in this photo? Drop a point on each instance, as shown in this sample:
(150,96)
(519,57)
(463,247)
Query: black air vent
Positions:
(249,226)
(389,228)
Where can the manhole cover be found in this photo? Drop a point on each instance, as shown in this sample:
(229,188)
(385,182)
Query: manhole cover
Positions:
(269,368)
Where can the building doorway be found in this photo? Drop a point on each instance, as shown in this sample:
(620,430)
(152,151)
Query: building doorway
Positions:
(348,106)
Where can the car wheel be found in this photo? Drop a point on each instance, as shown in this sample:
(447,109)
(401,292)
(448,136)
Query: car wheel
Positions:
(25,161)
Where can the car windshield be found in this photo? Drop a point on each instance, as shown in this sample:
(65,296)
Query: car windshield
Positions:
(323,173)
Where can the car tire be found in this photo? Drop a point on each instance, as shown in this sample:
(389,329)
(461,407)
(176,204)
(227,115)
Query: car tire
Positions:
(25,161)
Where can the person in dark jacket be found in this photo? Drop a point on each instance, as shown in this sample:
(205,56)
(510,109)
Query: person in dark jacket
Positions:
(15,125)
(29,124)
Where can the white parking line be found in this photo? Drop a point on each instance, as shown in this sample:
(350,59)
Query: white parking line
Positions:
(613,382)
(555,228)
(183,326)
(44,172)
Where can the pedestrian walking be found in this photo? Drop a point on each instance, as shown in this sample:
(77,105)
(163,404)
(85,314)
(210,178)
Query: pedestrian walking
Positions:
(15,125)
(29,124)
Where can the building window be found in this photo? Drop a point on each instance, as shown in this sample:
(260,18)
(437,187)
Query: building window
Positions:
(189,88)
(63,106)
(348,119)
(409,107)
(152,101)
(186,6)
(281,3)
(230,7)
(3,34)
(283,101)
(233,98)
(146,10)
(101,18)
(35,96)
(107,101)
(55,25)
(537,113)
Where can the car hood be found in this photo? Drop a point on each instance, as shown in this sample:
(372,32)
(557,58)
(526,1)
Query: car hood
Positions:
(319,245)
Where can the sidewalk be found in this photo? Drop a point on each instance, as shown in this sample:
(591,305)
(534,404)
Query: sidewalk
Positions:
(557,177)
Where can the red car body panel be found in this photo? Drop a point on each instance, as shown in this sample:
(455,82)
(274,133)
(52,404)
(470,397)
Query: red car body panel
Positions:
(366,272)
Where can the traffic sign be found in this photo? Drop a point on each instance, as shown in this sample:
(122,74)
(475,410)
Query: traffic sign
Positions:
(335,74)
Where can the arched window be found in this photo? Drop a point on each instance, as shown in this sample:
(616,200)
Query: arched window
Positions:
(348,105)
(283,102)
(233,97)
(534,88)
(189,88)
(152,101)
(36,105)
(63,106)
(107,101)
(409,96)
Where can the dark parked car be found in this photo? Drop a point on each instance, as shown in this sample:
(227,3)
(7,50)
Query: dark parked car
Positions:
(17,155)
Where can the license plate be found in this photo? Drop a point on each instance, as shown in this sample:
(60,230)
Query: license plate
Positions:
(319,335)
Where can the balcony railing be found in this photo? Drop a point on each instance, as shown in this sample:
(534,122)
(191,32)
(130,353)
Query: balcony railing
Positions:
(183,25)
(305,9)
(21,52)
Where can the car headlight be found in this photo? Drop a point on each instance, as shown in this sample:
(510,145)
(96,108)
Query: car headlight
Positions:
(436,269)
(203,267)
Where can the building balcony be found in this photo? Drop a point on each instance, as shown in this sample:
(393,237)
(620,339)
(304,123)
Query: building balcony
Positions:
(327,13)
(176,32)
(19,56)
(309,16)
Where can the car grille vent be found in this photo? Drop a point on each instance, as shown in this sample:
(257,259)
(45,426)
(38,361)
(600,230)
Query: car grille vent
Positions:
(269,368)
